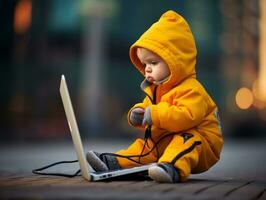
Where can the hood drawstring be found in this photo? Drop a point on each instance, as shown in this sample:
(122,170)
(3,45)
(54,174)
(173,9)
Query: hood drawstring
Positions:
(148,129)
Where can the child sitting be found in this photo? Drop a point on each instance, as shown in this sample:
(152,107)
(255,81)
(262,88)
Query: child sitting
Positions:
(180,120)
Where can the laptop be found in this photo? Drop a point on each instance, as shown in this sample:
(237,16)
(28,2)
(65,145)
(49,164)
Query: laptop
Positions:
(84,165)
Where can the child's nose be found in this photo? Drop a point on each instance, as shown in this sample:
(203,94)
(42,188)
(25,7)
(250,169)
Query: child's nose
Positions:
(148,69)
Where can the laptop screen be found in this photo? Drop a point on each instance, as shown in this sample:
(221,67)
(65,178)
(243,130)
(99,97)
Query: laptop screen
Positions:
(74,128)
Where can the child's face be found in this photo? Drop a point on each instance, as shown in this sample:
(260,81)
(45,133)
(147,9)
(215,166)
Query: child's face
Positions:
(155,68)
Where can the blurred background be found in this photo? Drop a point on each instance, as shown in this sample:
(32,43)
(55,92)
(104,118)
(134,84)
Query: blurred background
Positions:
(88,41)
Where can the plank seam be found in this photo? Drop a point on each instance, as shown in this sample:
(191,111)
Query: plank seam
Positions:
(260,194)
(205,188)
(231,191)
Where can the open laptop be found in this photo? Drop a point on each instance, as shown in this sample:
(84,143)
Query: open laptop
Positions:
(90,176)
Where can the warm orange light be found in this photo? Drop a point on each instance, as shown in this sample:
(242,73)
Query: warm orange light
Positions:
(262,51)
(244,98)
(258,100)
(22,18)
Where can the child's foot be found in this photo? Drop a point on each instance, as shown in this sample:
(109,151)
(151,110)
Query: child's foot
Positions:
(102,162)
(164,173)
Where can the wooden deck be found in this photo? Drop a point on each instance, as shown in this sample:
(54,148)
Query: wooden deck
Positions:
(240,175)
(29,186)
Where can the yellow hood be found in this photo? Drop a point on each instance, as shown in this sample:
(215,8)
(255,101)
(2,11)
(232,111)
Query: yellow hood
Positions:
(172,40)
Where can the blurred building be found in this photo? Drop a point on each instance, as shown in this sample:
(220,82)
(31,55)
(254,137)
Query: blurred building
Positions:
(89,40)
(243,67)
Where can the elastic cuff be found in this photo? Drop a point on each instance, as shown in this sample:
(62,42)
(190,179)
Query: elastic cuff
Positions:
(128,116)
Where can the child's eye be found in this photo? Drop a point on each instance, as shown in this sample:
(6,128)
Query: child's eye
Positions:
(154,62)
(144,65)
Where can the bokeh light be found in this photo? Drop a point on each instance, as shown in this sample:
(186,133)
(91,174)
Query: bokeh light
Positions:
(22,16)
(244,98)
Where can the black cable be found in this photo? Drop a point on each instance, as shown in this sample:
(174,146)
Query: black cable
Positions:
(37,171)
(146,137)
(157,151)
(129,157)
(148,129)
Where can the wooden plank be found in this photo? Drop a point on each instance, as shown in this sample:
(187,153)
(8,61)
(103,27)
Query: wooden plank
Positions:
(155,190)
(139,185)
(28,181)
(196,186)
(252,190)
(91,190)
(16,186)
(57,181)
(121,183)
(19,179)
(262,195)
(221,190)
(190,189)
(128,190)
(216,191)
(79,193)
(163,188)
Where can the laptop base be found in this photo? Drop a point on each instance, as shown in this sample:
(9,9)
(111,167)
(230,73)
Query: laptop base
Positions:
(129,173)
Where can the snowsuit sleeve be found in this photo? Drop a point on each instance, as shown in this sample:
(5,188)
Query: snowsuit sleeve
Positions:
(186,111)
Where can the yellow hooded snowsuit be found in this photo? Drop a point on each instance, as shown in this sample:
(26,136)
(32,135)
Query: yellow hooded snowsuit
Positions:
(180,105)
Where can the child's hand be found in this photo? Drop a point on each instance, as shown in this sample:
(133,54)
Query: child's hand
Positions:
(136,116)
(147,117)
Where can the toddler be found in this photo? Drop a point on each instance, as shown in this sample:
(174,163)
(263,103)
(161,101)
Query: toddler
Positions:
(180,120)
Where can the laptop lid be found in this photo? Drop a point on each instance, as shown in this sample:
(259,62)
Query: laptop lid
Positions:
(74,129)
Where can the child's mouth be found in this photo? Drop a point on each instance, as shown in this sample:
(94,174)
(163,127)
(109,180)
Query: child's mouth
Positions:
(150,79)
